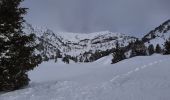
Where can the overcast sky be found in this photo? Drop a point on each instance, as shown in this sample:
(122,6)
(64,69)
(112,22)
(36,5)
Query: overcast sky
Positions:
(126,16)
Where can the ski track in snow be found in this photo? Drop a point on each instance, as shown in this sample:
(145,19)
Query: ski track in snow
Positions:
(118,78)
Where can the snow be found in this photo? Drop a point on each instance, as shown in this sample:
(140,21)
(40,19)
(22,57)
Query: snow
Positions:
(76,37)
(158,40)
(75,44)
(105,60)
(138,78)
(91,41)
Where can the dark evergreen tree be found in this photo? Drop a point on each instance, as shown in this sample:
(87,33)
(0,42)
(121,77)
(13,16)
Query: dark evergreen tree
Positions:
(65,59)
(86,59)
(75,59)
(158,49)
(45,58)
(16,49)
(58,55)
(55,60)
(138,48)
(118,55)
(151,49)
(167,47)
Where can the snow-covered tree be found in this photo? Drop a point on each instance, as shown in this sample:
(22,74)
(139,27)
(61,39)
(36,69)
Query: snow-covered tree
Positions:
(16,49)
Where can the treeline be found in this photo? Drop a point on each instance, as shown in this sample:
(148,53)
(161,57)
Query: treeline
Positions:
(138,48)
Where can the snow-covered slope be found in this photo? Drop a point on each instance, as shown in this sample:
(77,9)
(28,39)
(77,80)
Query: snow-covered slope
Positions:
(77,45)
(159,35)
(138,78)
(90,47)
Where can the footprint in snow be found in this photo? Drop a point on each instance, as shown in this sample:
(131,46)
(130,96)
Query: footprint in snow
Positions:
(136,69)
(130,72)
(144,66)
(114,78)
(150,64)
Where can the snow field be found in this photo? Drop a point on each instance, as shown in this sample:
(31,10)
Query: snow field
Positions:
(138,78)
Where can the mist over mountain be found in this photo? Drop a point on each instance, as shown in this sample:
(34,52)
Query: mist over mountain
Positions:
(85,16)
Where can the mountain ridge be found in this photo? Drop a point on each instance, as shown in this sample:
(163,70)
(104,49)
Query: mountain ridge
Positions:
(158,35)
(81,46)
(90,47)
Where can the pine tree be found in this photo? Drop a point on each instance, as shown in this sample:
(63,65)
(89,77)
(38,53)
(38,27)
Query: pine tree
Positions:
(66,60)
(16,49)
(167,47)
(151,49)
(118,55)
(158,49)
(86,59)
(138,48)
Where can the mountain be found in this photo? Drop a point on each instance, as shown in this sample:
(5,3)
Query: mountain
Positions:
(90,47)
(158,35)
(76,46)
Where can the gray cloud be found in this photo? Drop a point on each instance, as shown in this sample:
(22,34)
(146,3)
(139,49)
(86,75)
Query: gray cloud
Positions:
(126,16)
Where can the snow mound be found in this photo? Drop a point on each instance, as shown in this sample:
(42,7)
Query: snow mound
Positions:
(104,60)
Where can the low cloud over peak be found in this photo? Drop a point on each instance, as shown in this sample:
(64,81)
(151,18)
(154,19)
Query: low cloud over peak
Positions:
(127,16)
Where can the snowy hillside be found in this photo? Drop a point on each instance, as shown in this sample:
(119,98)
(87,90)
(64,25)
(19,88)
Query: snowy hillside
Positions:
(80,47)
(138,78)
(76,45)
(159,35)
